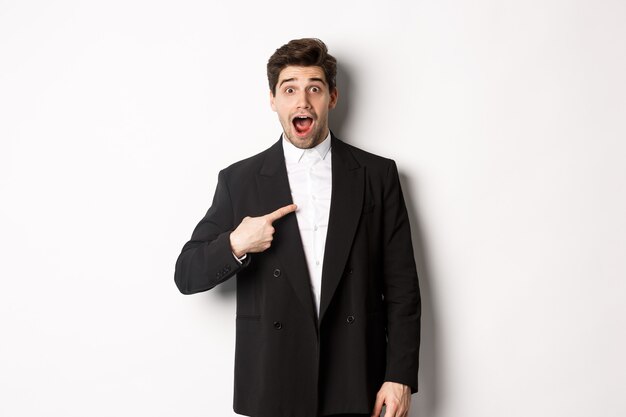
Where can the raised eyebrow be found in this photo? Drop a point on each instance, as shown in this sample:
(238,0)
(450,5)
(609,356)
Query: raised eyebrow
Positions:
(287,80)
(318,80)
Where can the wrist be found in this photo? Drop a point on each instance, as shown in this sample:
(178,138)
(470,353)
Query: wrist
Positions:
(234,247)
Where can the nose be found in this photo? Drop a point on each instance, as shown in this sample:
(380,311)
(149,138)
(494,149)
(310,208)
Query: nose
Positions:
(303,100)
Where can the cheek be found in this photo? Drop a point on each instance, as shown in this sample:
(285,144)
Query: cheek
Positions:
(283,106)
(284,113)
(325,107)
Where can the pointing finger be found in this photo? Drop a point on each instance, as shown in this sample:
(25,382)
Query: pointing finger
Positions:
(281,212)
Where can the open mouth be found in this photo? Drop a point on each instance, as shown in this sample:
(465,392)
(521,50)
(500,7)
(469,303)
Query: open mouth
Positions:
(302,124)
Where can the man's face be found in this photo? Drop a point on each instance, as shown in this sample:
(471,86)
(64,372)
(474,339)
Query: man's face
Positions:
(302,102)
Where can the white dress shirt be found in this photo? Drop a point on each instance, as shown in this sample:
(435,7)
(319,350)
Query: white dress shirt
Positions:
(310,180)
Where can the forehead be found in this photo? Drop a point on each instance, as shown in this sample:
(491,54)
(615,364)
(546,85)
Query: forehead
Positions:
(301,73)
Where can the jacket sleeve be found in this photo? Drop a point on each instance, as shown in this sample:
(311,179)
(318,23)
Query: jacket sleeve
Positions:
(401,287)
(207,260)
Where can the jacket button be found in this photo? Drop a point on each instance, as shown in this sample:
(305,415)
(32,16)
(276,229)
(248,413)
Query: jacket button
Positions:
(350,319)
(277,272)
(278,325)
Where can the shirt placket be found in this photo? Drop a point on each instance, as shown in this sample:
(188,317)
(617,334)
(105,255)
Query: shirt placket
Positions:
(312,161)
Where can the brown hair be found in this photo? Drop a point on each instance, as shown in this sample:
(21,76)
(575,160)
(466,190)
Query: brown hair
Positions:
(307,52)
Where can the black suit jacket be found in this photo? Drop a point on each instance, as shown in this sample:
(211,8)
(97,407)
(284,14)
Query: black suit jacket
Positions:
(287,362)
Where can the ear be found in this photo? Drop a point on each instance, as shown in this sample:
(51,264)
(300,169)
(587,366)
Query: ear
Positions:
(272,98)
(334,96)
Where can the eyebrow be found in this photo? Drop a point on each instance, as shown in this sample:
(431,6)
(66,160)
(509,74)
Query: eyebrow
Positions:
(294,79)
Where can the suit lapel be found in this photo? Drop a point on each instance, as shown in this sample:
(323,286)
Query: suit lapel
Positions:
(274,192)
(345,211)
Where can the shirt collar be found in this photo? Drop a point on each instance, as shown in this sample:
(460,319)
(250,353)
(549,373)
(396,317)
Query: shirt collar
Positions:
(294,154)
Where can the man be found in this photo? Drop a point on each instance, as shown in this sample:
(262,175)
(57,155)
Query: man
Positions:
(317,232)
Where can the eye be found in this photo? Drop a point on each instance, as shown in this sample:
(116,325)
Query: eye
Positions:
(315,89)
(289,90)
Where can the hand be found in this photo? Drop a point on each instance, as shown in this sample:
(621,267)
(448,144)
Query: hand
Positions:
(397,398)
(255,234)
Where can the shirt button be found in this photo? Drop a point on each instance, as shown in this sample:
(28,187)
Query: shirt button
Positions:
(315,228)
(317,262)
(350,319)
(276,272)
(278,325)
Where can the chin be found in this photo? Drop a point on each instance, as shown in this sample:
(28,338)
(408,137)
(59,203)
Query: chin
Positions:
(298,142)
(303,143)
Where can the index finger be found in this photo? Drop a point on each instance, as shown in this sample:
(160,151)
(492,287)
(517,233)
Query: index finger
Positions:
(281,212)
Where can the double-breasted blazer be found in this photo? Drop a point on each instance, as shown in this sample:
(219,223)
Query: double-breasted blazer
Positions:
(289,362)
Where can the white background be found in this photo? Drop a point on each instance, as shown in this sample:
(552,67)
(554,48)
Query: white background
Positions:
(506,119)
